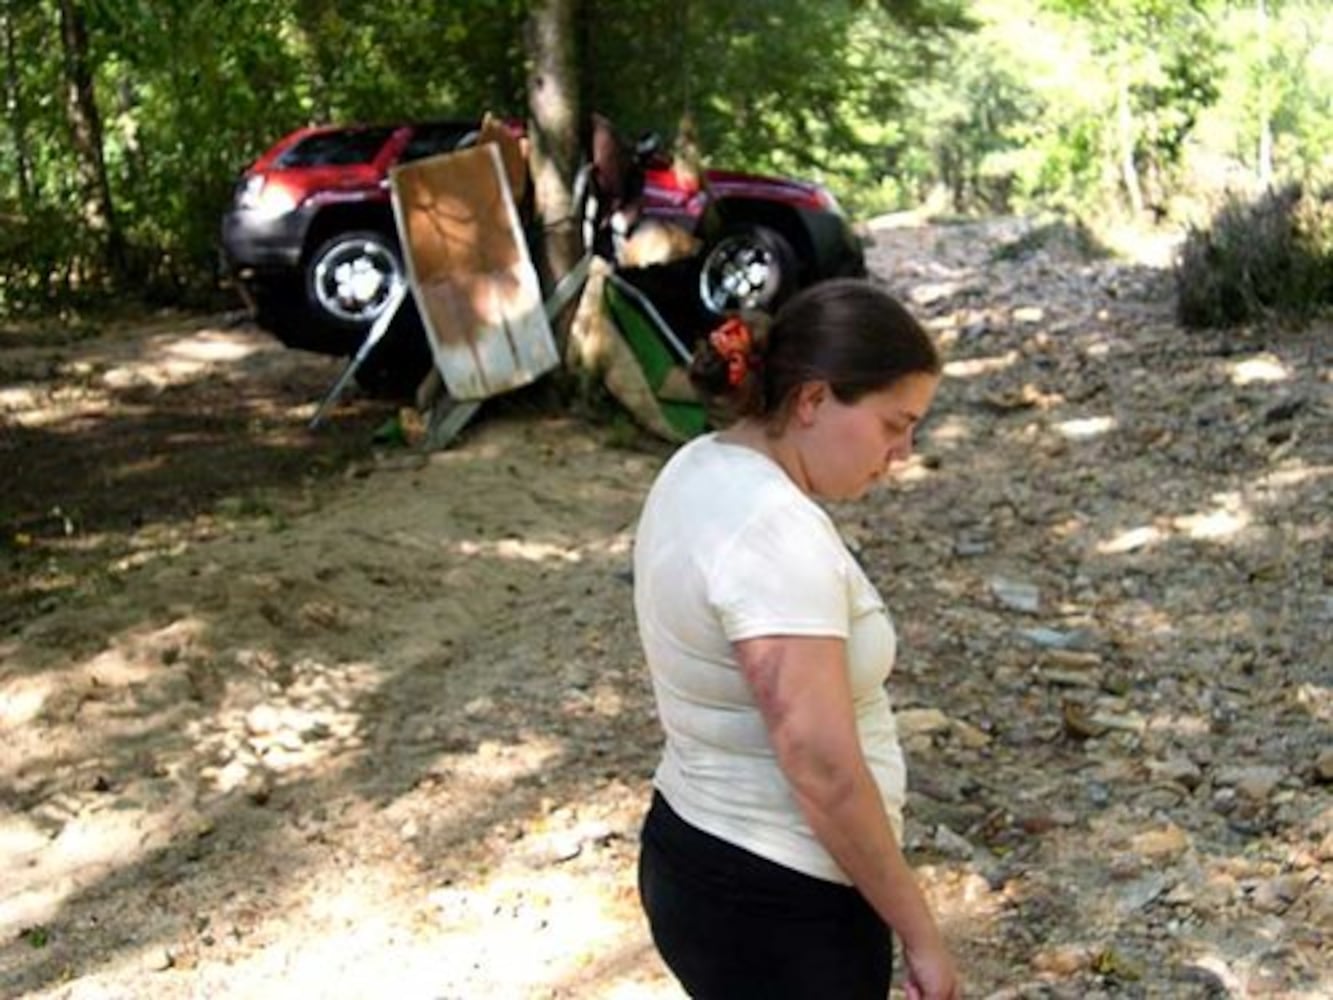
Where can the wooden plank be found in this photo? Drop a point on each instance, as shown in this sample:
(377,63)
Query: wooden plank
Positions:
(470,271)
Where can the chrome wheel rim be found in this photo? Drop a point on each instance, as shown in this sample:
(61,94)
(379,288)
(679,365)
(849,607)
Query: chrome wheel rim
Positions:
(738,273)
(354,279)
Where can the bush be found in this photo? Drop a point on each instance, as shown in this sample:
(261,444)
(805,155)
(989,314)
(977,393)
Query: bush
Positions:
(43,260)
(1271,258)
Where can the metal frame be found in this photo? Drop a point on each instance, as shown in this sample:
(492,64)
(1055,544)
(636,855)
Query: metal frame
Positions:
(448,416)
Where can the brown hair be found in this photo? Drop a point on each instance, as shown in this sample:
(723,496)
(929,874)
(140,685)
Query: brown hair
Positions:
(847,332)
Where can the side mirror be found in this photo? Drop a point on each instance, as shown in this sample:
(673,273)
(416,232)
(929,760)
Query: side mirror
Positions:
(648,148)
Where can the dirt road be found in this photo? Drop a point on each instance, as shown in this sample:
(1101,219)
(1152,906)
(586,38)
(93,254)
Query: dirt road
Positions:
(296,715)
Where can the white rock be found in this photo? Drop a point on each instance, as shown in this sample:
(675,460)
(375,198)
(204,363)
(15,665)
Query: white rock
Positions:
(921,722)
(1016,595)
(951,844)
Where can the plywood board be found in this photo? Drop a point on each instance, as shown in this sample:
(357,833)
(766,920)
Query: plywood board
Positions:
(470,272)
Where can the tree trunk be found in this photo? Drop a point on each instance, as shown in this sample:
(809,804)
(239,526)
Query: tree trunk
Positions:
(14,110)
(86,130)
(553,89)
(1265,152)
(1129,173)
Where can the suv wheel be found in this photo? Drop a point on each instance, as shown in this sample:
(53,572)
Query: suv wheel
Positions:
(350,277)
(749,267)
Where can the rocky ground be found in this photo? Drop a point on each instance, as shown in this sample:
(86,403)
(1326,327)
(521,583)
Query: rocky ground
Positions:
(285,714)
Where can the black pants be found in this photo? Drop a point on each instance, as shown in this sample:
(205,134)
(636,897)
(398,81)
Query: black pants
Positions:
(732,925)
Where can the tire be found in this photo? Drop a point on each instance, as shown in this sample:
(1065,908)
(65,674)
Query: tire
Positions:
(280,308)
(747,267)
(350,278)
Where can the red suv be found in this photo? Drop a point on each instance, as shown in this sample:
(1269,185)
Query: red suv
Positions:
(311,242)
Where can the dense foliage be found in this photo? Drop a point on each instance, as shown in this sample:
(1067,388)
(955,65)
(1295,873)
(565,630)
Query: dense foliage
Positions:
(128,121)
(1267,258)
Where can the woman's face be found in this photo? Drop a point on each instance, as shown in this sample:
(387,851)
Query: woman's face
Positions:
(846,448)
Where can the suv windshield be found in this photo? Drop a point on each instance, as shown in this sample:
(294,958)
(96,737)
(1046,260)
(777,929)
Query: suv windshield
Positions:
(335,149)
(428,140)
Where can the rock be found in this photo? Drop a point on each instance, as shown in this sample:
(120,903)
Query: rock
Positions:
(951,844)
(263,720)
(1070,678)
(942,785)
(1324,852)
(1255,784)
(1126,722)
(1283,410)
(1315,908)
(921,722)
(1181,894)
(1063,960)
(1323,766)
(479,707)
(1163,844)
(1214,975)
(969,547)
(1131,541)
(1117,965)
(1099,794)
(1036,824)
(1223,801)
(1076,658)
(968,735)
(1016,595)
(158,960)
(1179,770)
(1055,639)
(1219,890)
(1275,895)
(1074,720)
(560,846)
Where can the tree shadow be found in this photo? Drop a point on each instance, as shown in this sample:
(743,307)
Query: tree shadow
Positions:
(293,727)
(106,436)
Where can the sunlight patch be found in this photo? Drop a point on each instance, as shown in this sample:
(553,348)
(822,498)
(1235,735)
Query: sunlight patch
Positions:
(972,367)
(949,430)
(1227,519)
(517,548)
(929,292)
(913,471)
(1131,541)
(1283,478)
(210,347)
(1316,700)
(18,398)
(1262,368)
(23,700)
(1086,427)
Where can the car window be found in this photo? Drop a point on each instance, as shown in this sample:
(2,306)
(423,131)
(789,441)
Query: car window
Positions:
(427,140)
(336,149)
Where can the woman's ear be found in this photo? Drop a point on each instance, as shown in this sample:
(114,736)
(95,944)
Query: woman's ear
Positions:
(809,397)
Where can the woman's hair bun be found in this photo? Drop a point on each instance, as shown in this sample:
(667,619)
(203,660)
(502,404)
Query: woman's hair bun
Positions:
(727,367)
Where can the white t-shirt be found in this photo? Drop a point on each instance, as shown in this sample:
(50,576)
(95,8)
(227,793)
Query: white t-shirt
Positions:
(729,548)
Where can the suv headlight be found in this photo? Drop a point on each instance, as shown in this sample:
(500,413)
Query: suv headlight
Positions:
(264,199)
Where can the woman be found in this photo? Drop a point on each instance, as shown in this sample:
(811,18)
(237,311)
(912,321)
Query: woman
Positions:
(771,864)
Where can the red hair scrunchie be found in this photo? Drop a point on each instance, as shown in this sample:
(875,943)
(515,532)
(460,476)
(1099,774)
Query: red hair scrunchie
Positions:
(733,343)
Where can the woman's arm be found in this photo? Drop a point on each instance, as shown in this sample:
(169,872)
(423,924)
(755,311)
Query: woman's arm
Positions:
(802,689)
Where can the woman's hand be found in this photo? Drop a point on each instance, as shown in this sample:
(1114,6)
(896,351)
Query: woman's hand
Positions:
(931,975)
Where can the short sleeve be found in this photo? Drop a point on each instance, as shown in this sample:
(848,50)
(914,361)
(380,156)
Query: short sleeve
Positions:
(783,573)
